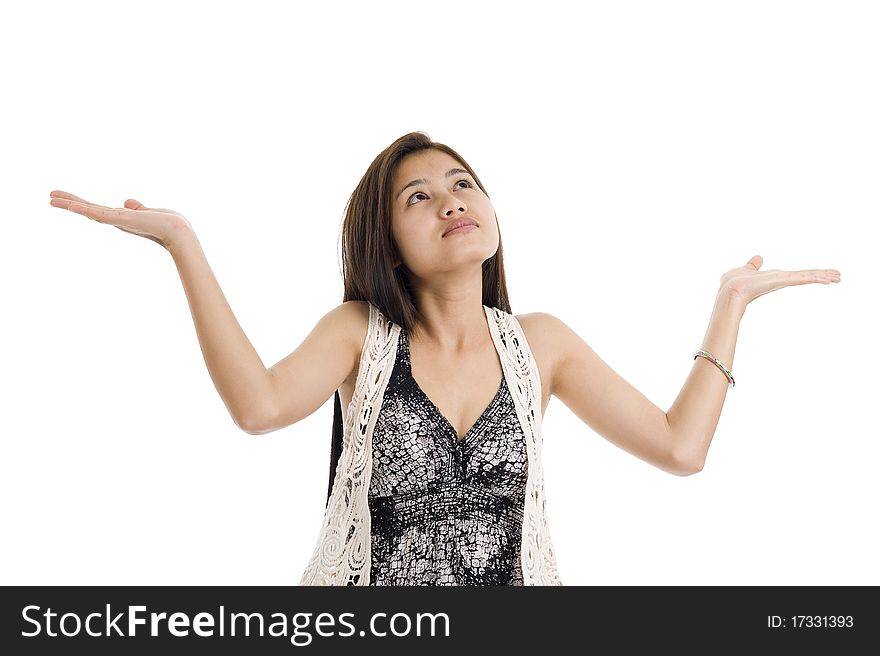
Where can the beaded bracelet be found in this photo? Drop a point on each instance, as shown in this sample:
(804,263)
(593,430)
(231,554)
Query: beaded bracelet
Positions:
(717,363)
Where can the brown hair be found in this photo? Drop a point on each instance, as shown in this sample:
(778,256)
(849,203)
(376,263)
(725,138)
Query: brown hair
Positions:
(369,254)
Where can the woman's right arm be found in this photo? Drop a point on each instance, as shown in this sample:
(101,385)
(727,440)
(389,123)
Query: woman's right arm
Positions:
(235,367)
(260,400)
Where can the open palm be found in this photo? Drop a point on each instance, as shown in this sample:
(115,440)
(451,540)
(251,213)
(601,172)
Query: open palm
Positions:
(746,283)
(156,224)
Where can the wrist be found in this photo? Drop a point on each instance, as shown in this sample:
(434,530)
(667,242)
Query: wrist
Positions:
(730,302)
(180,239)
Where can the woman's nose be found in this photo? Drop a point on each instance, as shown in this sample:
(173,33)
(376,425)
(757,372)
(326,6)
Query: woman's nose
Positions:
(452,204)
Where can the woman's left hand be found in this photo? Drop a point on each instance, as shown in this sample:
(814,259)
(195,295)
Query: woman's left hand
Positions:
(745,284)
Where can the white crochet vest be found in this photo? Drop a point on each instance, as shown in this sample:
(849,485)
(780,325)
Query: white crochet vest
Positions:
(342,555)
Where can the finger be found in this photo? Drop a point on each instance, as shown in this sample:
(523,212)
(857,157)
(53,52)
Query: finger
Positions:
(77,206)
(64,196)
(809,276)
(133,204)
(831,275)
(756,262)
(98,213)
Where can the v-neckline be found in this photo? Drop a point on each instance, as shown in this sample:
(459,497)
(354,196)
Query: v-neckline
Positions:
(435,408)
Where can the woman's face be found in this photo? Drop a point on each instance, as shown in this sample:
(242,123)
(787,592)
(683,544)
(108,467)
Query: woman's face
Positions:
(423,211)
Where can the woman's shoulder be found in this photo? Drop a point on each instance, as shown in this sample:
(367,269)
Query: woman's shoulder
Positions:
(356,315)
(540,323)
(541,327)
(542,331)
(537,326)
(352,321)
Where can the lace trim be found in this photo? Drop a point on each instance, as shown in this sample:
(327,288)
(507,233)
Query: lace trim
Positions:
(342,556)
(538,556)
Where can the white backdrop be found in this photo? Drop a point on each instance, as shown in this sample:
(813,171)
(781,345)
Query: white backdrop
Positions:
(634,152)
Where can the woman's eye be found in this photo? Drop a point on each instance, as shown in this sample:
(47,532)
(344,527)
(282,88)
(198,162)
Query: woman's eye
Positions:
(419,193)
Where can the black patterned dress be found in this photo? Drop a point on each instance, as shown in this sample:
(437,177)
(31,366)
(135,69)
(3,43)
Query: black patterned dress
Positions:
(445,512)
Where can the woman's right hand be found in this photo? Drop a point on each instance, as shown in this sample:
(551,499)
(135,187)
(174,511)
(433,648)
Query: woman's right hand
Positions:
(157,224)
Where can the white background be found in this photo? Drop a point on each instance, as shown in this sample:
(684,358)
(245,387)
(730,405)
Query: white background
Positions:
(634,152)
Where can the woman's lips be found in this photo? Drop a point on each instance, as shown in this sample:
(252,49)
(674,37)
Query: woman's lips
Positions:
(464,228)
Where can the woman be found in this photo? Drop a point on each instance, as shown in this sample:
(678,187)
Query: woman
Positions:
(436,474)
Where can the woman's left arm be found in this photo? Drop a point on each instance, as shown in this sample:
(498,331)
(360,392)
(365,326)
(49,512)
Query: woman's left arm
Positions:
(676,441)
(693,417)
